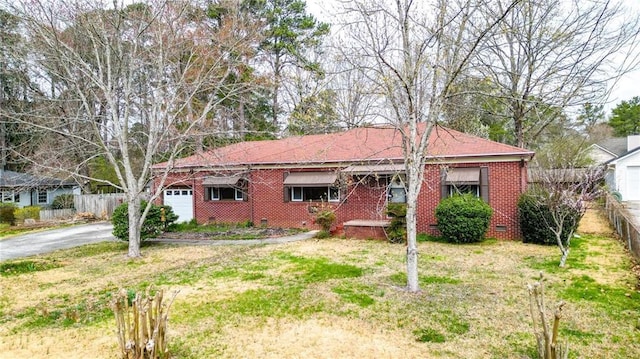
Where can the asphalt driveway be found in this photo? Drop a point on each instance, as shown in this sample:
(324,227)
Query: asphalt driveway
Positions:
(51,240)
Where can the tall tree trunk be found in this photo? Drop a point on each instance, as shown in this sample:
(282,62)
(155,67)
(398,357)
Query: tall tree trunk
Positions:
(275,108)
(412,249)
(133,205)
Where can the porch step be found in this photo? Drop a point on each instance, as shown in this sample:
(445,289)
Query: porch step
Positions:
(366,229)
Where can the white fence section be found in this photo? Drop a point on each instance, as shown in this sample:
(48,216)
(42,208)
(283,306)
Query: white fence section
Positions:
(51,214)
(101,205)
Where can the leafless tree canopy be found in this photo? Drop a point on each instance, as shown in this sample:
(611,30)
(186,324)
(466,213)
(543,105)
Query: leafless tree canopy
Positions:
(553,54)
(128,83)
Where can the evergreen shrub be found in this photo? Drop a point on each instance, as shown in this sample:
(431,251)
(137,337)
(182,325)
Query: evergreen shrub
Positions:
(32,212)
(325,219)
(152,226)
(7,213)
(535,220)
(463,218)
(397,230)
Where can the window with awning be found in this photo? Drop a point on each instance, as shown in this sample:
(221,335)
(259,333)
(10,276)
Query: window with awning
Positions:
(225,188)
(311,186)
(301,179)
(221,181)
(461,180)
(469,176)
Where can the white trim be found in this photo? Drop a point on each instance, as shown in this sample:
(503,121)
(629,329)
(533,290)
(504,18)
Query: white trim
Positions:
(479,158)
(46,197)
(293,196)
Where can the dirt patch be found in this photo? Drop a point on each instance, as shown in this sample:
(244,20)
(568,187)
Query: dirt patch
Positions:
(328,337)
(594,222)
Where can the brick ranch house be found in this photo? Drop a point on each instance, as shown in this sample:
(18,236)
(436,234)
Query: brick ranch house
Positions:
(355,173)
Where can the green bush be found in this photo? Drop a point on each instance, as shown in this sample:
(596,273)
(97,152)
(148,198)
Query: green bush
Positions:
(463,218)
(152,226)
(63,201)
(535,219)
(325,219)
(7,213)
(397,230)
(23,213)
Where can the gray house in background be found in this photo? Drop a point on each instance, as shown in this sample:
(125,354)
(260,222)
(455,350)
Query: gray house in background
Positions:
(622,158)
(24,189)
(606,150)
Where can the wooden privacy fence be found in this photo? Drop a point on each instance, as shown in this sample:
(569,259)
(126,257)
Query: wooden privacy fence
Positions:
(51,214)
(101,205)
(624,223)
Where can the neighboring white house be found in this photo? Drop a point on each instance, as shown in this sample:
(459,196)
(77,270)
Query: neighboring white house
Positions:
(24,189)
(622,157)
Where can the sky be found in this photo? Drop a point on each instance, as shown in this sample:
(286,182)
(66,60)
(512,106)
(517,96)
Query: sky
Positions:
(625,88)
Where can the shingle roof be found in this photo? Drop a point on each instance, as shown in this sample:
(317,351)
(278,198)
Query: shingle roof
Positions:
(365,144)
(616,145)
(11,179)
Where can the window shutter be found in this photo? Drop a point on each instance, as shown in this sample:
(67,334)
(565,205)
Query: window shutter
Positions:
(245,195)
(287,194)
(207,193)
(484,183)
(443,184)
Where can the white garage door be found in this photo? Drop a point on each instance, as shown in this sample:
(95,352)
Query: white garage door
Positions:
(181,201)
(633,183)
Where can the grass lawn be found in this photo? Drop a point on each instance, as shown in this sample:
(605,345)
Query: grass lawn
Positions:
(330,298)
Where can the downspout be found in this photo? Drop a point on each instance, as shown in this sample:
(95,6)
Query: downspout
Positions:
(194,198)
(250,195)
(523,175)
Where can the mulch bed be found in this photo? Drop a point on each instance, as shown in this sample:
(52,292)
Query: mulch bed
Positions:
(237,233)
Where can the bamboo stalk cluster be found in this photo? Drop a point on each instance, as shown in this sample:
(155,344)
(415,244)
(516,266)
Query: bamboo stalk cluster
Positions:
(546,336)
(141,325)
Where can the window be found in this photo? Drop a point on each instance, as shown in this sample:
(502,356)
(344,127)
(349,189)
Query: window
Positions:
(296,194)
(9,196)
(42,197)
(397,193)
(224,194)
(464,189)
(461,180)
(323,193)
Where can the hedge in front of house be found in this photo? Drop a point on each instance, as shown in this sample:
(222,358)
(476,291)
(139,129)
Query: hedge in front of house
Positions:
(152,226)
(7,213)
(463,218)
(535,220)
(397,230)
(28,212)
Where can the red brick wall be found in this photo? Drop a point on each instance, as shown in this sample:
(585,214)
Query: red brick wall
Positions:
(505,186)
(360,201)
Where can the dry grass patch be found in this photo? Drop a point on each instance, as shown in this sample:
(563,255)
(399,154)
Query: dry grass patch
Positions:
(329,298)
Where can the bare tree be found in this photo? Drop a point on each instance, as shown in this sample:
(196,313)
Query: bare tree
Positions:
(131,74)
(356,102)
(412,52)
(554,54)
(565,193)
